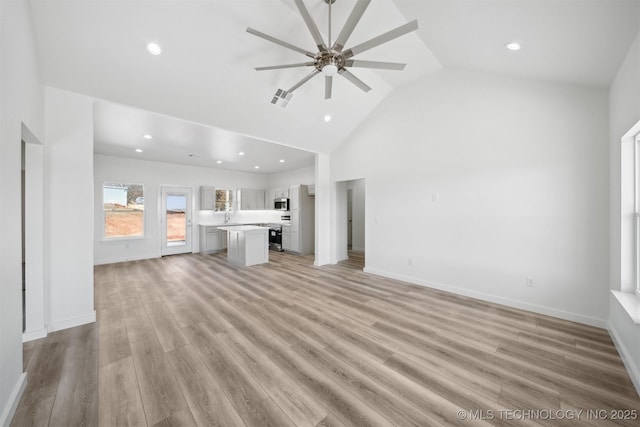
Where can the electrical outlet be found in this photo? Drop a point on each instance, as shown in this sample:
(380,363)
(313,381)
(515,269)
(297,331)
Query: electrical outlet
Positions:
(529,283)
(411,262)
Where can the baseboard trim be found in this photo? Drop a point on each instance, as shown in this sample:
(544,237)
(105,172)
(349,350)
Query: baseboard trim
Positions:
(14,399)
(73,322)
(591,321)
(632,369)
(123,259)
(34,335)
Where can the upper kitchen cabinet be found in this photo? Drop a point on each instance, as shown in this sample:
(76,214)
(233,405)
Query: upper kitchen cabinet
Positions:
(273,194)
(250,199)
(294,196)
(281,193)
(207,198)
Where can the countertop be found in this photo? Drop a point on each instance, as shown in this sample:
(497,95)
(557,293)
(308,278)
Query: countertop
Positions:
(242,228)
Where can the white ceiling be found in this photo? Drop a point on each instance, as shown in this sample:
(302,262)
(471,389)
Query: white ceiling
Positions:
(571,41)
(205,74)
(119,130)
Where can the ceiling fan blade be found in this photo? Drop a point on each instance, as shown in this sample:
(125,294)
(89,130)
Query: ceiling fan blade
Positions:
(280,42)
(279,67)
(374,64)
(353,79)
(303,81)
(311,25)
(352,21)
(383,38)
(328,84)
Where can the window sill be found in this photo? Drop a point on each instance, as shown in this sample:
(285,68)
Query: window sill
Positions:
(631,304)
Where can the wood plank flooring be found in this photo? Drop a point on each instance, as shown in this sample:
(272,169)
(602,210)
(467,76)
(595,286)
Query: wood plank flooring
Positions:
(192,340)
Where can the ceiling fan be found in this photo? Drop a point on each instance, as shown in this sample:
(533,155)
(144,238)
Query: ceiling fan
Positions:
(334,59)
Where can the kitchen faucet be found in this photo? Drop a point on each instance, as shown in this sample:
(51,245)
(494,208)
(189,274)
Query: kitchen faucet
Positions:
(227,216)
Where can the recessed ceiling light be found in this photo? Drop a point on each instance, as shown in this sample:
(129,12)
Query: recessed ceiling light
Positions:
(147,136)
(219,162)
(138,150)
(513,46)
(241,154)
(281,160)
(327,118)
(154,48)
(256,167)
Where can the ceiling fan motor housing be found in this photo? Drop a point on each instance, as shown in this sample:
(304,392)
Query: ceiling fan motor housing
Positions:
(329,62)
(332,59)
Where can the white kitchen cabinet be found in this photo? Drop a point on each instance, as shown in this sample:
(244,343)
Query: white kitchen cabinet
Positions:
(247,245)
(273,194)
(302,229)
(294,197)
(286,238)
(207,198)
(269,197)
(295,220)
(295,241)
(212,239)
(251,199)
(281,193)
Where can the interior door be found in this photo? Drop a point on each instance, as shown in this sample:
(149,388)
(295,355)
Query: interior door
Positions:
(175,221)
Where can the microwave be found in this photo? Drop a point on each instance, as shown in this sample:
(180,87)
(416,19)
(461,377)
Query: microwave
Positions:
(281,204)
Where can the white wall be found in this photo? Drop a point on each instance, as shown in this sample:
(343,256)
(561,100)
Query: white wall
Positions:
(21,103)
(624,112)
(69,208)
(153,175)
(484,181)
(304,176)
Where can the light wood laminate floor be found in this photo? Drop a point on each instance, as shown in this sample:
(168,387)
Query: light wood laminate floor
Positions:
(192,340)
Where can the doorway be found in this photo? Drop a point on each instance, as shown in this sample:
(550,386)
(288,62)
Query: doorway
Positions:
(349,218)
(175,221)
(350,221)
(34,294)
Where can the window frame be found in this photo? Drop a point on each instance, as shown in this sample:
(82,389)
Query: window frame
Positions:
(104,237)
(636,189)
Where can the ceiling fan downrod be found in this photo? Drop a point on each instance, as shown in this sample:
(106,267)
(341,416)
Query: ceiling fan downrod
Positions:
(332,58)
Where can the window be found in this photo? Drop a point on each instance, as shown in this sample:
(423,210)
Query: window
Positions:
(224,201)
(123,207)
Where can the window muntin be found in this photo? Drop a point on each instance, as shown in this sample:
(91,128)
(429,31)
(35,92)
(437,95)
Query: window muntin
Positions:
(123,209)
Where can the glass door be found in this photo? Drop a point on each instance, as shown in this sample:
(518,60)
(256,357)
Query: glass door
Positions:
(176,221)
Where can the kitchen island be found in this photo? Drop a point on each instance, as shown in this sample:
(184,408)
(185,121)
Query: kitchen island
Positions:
(247,244)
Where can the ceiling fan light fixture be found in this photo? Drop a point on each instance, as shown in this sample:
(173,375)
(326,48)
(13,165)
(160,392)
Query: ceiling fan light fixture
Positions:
(331,58)
(330,70)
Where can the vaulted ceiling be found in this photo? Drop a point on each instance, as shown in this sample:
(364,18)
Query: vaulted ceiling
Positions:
(205,73)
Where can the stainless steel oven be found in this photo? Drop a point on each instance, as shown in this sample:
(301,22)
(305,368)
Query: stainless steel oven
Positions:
(281,204)
(275,237)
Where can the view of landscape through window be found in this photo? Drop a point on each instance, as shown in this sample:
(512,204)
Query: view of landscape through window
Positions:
(123,206)
(224,200)
(176,218)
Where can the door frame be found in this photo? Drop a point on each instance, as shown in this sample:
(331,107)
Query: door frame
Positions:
(165,249)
